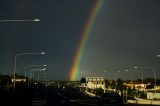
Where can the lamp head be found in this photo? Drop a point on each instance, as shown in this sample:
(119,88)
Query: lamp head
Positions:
(42,52)
(135,67)
(43,69)
(36,20)
(126,70)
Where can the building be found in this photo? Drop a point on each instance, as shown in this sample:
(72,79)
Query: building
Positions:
(19,80)
(136,85)
(157,87)
(153,95)
(95,82)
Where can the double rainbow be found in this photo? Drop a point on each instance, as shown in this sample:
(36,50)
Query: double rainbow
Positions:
(85,35)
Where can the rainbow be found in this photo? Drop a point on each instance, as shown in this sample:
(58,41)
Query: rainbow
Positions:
(85,35)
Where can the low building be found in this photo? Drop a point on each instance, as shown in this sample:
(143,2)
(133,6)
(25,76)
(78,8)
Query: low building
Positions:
(95,82)
(157,87)
(153,95)
(19,80)
(136,85)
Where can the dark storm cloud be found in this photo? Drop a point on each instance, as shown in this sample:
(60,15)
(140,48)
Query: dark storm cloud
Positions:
(126,33)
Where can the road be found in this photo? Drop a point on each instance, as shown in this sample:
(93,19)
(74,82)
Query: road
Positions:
(50,96)
(68,97)
(82,99)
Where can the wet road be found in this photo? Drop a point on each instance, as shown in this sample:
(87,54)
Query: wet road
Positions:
(49,96)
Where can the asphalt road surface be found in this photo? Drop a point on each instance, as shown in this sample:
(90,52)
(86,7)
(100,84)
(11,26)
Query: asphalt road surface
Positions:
(50,96)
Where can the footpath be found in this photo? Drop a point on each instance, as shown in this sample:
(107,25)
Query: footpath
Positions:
(136,101)
(144,101)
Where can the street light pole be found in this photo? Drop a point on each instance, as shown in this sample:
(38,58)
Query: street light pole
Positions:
(141,75)
(116,80)
(130,75)
(20,20)
(14,73)
(154,73)
(16,20)
(35,70)
(31,66)
(124,67)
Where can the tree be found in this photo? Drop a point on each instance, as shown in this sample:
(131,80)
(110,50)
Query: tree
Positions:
(112,84)
(119,84)
(4,80)
(149,80)
(99,91)
(83,80)
(158,81)
(139,80)
(107,83)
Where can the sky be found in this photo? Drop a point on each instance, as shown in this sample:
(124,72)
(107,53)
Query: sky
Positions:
(125,34)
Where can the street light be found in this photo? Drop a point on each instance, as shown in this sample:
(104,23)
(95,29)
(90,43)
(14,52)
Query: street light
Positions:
(130,75)
(124,67)
(34,70)
(119,70)
(19,54)
(33,76)
(140,73)
(84,73)
(21,20)
(115,76)
(17,20)
(158,55)
(154,72)
(32,66)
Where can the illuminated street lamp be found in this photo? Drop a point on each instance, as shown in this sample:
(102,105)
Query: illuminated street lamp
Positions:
(140,73)
(36,70)
(32,66)
(154,72)
(115,76)
(130,75)
(158,55)
(17,20)
(84,73)
(19,54)
(21,20)
(123,67)
(32,75)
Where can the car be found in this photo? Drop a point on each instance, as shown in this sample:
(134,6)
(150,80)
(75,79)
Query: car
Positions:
(110,99)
